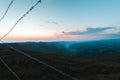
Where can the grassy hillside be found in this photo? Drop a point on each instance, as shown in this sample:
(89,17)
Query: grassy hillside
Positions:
(82,68)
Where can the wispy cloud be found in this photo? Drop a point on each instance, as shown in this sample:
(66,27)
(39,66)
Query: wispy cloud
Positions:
(52,22)
(95,33)
(89,31)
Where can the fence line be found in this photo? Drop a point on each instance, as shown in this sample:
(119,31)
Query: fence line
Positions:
(39,61)
(6,10)
(5,64)
(26,54)
(39,1)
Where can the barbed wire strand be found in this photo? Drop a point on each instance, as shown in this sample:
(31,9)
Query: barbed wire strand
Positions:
(18,78)
(39,61)
(27,55)
(6,10)
(4,63)
(39,1)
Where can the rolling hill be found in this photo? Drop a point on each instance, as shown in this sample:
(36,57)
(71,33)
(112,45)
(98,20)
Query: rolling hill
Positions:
(93,60)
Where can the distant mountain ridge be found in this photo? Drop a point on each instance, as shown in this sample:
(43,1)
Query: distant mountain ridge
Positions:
(72,48)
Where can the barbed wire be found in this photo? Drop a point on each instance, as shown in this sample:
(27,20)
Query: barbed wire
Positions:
(5,64)
(26,54)
(6,10)
(39,61)
(39,1)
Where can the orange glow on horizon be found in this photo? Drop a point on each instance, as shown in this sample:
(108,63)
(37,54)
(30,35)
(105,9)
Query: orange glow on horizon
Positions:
(32,37)
(56,36)
(39,37)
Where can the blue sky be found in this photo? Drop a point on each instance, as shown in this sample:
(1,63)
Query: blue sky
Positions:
(59,19)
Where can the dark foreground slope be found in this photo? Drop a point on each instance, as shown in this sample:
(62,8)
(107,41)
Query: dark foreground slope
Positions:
(82,68)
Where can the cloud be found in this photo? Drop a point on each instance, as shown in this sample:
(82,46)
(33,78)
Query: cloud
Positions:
(52,22)
(99,33)
(89,31)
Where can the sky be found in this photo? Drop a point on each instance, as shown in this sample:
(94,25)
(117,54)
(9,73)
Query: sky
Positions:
(56,20)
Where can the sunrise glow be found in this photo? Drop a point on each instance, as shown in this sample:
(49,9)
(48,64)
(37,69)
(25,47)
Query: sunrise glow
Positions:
(61,20)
